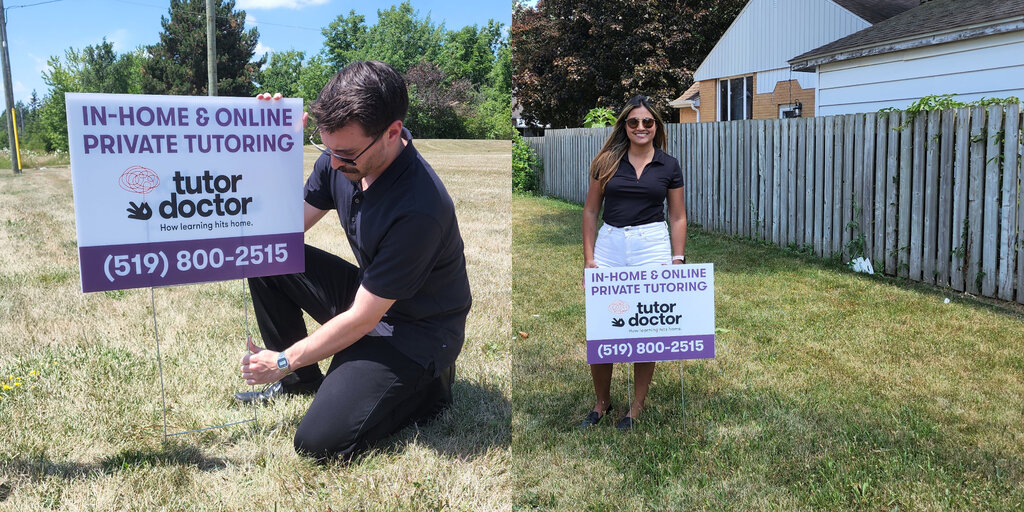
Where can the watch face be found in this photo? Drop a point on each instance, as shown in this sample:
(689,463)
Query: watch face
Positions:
(282,362)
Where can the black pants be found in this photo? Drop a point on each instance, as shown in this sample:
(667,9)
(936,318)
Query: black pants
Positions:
(371,390)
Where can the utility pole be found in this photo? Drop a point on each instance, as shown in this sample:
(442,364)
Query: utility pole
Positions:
(211,46)
(8,91)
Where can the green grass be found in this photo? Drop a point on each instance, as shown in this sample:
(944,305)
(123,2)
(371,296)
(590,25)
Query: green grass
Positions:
(35,159)
(81,424)
(830,390)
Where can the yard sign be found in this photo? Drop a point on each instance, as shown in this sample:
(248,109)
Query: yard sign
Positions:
(182,189)
(651,313)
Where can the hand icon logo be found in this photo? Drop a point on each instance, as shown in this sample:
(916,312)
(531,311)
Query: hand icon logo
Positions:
(618,322)
(141,211)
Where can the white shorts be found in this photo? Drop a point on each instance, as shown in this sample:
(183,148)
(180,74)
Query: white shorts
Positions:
(631,246)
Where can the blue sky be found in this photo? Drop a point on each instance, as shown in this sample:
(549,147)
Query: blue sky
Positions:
(44,28)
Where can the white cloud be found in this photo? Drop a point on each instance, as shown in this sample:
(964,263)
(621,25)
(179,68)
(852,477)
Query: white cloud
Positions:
(119,38)
(41,63)
(21,93)
(263,49)
(276,4)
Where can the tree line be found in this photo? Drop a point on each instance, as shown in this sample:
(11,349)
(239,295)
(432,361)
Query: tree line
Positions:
(460,81)
(572,56)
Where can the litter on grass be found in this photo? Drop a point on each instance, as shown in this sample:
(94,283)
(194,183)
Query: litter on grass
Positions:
(862,264)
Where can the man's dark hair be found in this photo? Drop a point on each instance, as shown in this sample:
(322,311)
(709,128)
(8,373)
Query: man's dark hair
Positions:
(370,93)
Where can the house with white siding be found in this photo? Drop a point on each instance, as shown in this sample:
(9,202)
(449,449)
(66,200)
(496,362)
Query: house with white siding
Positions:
(747,74)
(968,48)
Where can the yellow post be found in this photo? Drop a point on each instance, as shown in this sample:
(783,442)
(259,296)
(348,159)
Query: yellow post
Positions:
(17,148)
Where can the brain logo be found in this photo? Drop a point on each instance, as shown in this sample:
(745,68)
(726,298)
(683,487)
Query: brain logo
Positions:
(138,179)
(618,307)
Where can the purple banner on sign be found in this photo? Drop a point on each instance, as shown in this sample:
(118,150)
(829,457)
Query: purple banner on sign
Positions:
(646,350)
(118,267)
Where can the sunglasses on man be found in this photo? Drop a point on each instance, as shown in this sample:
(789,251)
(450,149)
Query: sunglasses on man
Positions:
(634,122)
(350,161)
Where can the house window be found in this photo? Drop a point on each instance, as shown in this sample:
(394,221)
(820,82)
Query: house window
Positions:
(736,98)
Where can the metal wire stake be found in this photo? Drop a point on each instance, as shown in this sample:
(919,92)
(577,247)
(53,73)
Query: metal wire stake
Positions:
(159,360)
(248,337)
(630,390)
(682,390)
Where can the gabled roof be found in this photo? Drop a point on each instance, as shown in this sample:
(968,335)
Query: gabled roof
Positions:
(933,22)
(767,33)
(874,11)
(687,97)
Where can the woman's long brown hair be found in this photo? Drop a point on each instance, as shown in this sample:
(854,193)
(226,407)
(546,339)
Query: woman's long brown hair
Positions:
(603,167)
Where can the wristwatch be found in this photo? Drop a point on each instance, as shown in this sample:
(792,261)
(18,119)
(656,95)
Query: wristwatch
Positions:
(282,363)
(680,257)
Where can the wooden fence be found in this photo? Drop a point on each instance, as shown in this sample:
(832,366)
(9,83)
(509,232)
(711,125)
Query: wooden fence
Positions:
(935,198)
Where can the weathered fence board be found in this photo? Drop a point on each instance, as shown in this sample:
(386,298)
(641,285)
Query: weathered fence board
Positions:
(990,218)
(904,198)
(891,189)
(828,198)
(808,190)
(975,201)
(917,199)
(958,265)
(819,185)
(1008,234)
(931,198)
(858,226)
(936,198)
(878,228)
(945,199)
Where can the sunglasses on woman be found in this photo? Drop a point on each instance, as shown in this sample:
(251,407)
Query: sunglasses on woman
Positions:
(634,122)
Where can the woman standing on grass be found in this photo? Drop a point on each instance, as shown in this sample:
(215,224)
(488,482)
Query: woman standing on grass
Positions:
(633,176)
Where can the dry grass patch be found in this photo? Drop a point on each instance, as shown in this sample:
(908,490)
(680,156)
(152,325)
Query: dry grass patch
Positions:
(83,429)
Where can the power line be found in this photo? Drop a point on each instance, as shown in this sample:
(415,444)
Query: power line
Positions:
(32,5)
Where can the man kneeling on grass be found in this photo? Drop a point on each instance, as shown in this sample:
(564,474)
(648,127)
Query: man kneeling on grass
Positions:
(392,326)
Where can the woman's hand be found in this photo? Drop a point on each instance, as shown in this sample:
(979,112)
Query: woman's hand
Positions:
(590,264)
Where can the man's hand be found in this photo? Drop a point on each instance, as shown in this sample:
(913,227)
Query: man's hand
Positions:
(260,365)
(276,96)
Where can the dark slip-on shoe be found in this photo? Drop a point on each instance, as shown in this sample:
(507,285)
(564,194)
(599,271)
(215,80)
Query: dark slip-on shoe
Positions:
(594,418)
(279,389)
(627,423)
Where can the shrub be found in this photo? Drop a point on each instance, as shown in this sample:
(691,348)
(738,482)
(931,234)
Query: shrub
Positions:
(525,166)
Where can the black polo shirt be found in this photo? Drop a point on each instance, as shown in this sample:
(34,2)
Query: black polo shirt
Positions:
(405,237)
(629,201)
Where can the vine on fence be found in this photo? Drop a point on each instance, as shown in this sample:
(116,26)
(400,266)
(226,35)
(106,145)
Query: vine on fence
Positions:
(943,102)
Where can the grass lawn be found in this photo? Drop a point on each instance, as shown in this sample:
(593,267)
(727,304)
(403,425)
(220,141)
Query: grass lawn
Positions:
(831,390)
(80,415)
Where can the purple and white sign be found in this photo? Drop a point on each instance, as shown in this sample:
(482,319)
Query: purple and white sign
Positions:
(185,189)
(650,313)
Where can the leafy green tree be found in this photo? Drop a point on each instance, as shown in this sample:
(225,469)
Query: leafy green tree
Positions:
(493,119)
(177,64)
(570,55)
(96,68)
(312,78)
(283,73)
(470,52)
(344,39)
(459,83)
(400,38)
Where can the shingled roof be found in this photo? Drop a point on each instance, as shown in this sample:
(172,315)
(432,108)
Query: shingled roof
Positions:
(874,11)
(959,19)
